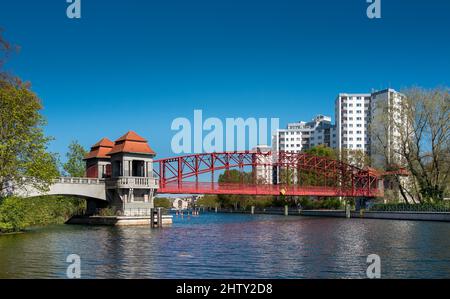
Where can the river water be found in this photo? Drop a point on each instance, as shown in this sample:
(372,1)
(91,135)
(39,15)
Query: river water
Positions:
(233,246)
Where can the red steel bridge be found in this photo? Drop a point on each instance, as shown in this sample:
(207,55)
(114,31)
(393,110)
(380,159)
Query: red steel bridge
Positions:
(297,174)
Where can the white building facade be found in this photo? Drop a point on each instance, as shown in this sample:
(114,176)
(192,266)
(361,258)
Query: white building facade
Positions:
(301,136)
(352,121)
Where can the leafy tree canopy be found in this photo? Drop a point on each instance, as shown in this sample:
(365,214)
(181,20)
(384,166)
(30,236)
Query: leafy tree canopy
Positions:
(75,165)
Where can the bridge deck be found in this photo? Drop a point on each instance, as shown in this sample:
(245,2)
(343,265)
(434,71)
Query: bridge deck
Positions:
(245,189)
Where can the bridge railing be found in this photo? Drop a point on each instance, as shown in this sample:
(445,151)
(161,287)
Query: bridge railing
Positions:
(83,181)
(133,182)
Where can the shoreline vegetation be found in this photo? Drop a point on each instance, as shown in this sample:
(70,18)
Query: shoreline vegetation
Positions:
(17,214)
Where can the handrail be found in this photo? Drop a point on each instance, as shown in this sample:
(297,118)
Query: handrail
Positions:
(76,180)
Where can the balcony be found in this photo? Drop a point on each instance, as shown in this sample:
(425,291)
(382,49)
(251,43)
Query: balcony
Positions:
(132,182)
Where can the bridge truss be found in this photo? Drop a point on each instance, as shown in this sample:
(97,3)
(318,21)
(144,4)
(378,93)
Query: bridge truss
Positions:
(297,174)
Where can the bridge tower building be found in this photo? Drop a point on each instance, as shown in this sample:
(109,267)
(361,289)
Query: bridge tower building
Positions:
(131,186)
(98,164)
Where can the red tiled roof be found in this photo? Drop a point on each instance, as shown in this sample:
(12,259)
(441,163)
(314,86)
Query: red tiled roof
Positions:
(100,149)
(104,142)
(131,136)
(131,143)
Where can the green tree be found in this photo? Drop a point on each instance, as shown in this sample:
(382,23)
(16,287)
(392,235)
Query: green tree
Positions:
(322,151)
(23,145)
(208,201)
(163,202)
(75,165)
(421,144)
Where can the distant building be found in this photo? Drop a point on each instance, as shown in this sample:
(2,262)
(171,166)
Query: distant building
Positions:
(352,121)
(264,171)
(305,135)
(184,203)
(356,114)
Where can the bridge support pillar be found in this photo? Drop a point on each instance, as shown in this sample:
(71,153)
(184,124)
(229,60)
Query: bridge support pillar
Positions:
(286,210)
(253,210)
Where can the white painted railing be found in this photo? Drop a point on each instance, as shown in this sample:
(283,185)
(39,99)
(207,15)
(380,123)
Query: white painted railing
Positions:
(83,181)
(133,182)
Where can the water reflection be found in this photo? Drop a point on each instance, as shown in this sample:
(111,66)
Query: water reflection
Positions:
(233,246)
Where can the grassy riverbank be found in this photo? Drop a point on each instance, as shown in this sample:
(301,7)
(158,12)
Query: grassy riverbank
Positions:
(16,214)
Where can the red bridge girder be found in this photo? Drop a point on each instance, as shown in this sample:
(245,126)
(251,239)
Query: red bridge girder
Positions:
(331,177)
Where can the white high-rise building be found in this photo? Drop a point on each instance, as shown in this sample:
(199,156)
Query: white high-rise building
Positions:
(352,121)
(355,114)
(388,104)
(304,135)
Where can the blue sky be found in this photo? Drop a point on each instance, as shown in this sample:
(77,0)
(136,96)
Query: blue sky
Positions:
(140,64)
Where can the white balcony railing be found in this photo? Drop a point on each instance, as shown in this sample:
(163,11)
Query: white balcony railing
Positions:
(133,182)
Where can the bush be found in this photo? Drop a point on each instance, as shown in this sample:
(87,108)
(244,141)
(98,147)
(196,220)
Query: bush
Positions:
(404,207)
(107,212)
(208,201)
(12,215)
(16,213)
(161,202)
(316,204)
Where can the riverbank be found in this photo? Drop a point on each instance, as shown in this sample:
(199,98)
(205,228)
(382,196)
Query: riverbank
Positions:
(391,215)
(17,214)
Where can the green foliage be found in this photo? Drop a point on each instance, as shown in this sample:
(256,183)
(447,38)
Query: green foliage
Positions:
(23,146)
(317,204)
(75,165)
(16,214)
(12,215)
(322,151)
(162,202)
(240,201)
(441,206)
(208,201)
(107,212)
